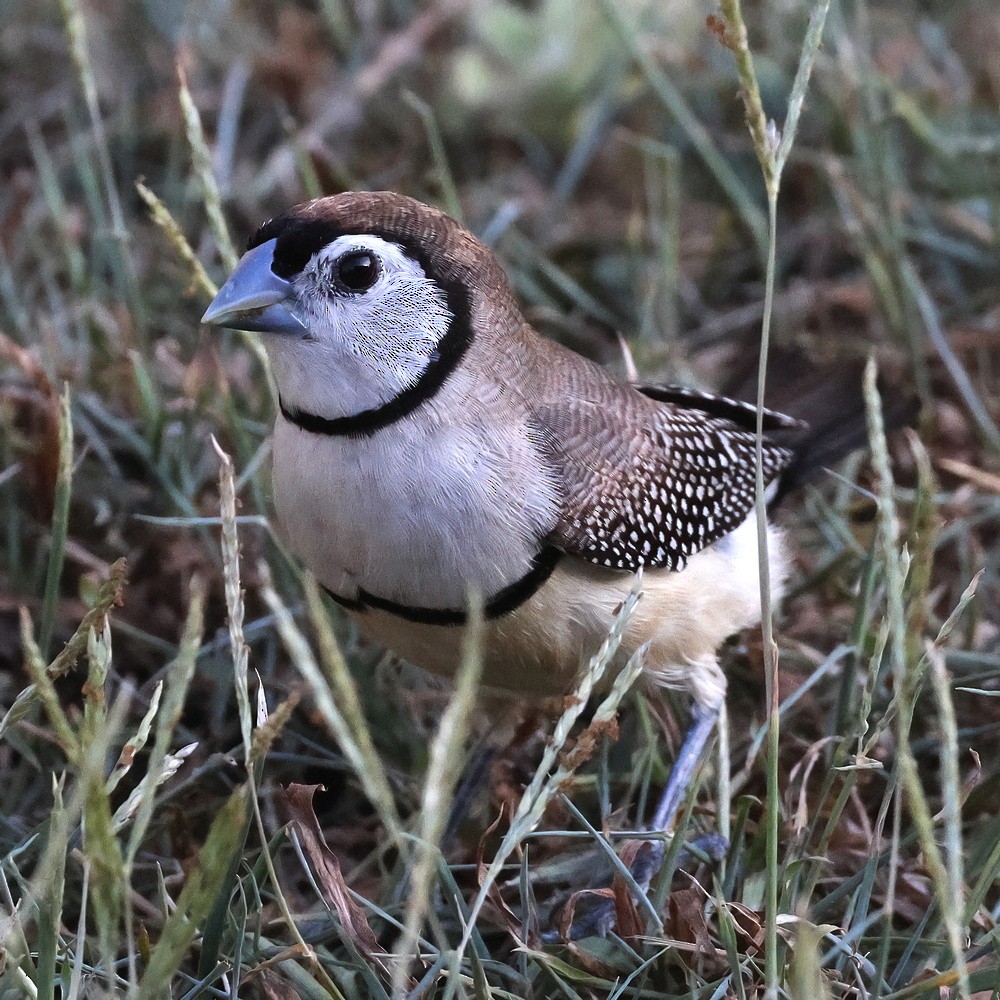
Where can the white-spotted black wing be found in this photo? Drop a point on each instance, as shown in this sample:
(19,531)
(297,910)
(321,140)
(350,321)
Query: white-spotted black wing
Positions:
(681,478)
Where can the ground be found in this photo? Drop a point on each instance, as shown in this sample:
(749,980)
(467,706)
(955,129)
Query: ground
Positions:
(602,149)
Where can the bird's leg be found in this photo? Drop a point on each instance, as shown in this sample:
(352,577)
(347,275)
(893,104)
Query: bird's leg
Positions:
(473,778)
(703,721)
(704,718)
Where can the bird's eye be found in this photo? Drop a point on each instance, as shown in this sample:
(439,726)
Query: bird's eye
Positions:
(358,270)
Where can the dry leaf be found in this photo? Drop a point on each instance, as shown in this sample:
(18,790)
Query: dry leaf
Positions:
(297,801)
(35,408)
(749,926)
(509,919)
(686,919)
(626,916)
(270,985)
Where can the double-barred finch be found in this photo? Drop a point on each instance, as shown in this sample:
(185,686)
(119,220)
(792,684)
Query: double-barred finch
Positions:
(431,443)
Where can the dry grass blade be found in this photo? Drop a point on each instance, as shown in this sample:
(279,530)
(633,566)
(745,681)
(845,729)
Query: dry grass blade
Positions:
(338,703)
(179,674)
(549,775)
(906,685)
(443,773)
(161,216)
(201,889)
(234,594)
(60,521)
(772,152)
(202,160)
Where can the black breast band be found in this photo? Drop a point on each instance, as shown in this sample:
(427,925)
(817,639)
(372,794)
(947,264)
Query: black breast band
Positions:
(499,604)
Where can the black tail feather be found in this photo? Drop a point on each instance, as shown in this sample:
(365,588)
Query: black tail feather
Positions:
(831,402)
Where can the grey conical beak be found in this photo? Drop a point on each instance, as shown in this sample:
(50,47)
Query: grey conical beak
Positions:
(255,298)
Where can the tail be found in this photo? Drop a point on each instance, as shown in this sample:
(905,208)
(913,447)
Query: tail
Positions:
(831,403)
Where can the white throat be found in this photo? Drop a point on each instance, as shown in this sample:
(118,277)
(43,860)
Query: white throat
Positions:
(364,349)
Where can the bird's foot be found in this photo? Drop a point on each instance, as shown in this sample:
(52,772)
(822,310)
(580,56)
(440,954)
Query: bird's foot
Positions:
(598,918)
(648,859)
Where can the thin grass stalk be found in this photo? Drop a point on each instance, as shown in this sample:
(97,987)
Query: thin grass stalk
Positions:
(800,85)
(772,152)
(764,145)
(202,165)
(45,691)
(443,772)
(165,221)
(368,764)
(885,168)
(762,132)
(217,915)
(201,160)
(773,805)
(14,939)
(73,991)
(162,218)
(234,595)
(60,525)
(359,750)
(88,751)
(203,884)
(50,904)
(951,789)
(905,682)
(449,192)
(976,408)
(100,845)
(20,977)
(76,33)
(179,677)
(55,199)
(550,775)
(724,780)
(179,674)
(240,654)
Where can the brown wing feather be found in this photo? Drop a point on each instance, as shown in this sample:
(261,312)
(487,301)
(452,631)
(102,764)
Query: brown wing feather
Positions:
(647,482)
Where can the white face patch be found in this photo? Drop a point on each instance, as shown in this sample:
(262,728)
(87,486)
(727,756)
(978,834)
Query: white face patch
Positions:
(366,346)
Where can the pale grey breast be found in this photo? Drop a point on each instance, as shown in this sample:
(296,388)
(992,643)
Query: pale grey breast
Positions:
(444,499)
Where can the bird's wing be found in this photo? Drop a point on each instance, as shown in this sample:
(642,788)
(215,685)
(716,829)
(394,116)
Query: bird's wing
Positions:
(650,475)
(736,411)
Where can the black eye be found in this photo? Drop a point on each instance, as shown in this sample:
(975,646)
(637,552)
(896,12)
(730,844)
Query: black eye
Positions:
(358,270)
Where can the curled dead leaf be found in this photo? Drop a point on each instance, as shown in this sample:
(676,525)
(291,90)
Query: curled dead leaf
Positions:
(297,801)
(749,926)
(686,919)
(508,918)
(627,918)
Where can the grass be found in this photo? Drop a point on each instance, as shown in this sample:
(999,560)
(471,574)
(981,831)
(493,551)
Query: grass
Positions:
(159,830)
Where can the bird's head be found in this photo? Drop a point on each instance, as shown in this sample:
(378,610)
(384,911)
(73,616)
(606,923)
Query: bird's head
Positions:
(361,294)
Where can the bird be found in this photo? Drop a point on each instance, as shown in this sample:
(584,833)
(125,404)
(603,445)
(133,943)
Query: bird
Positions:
(430,443)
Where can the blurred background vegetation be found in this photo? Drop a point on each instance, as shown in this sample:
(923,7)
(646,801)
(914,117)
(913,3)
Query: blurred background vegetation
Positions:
(600,147)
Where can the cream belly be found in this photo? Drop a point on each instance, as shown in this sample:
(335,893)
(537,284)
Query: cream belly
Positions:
(539,648)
